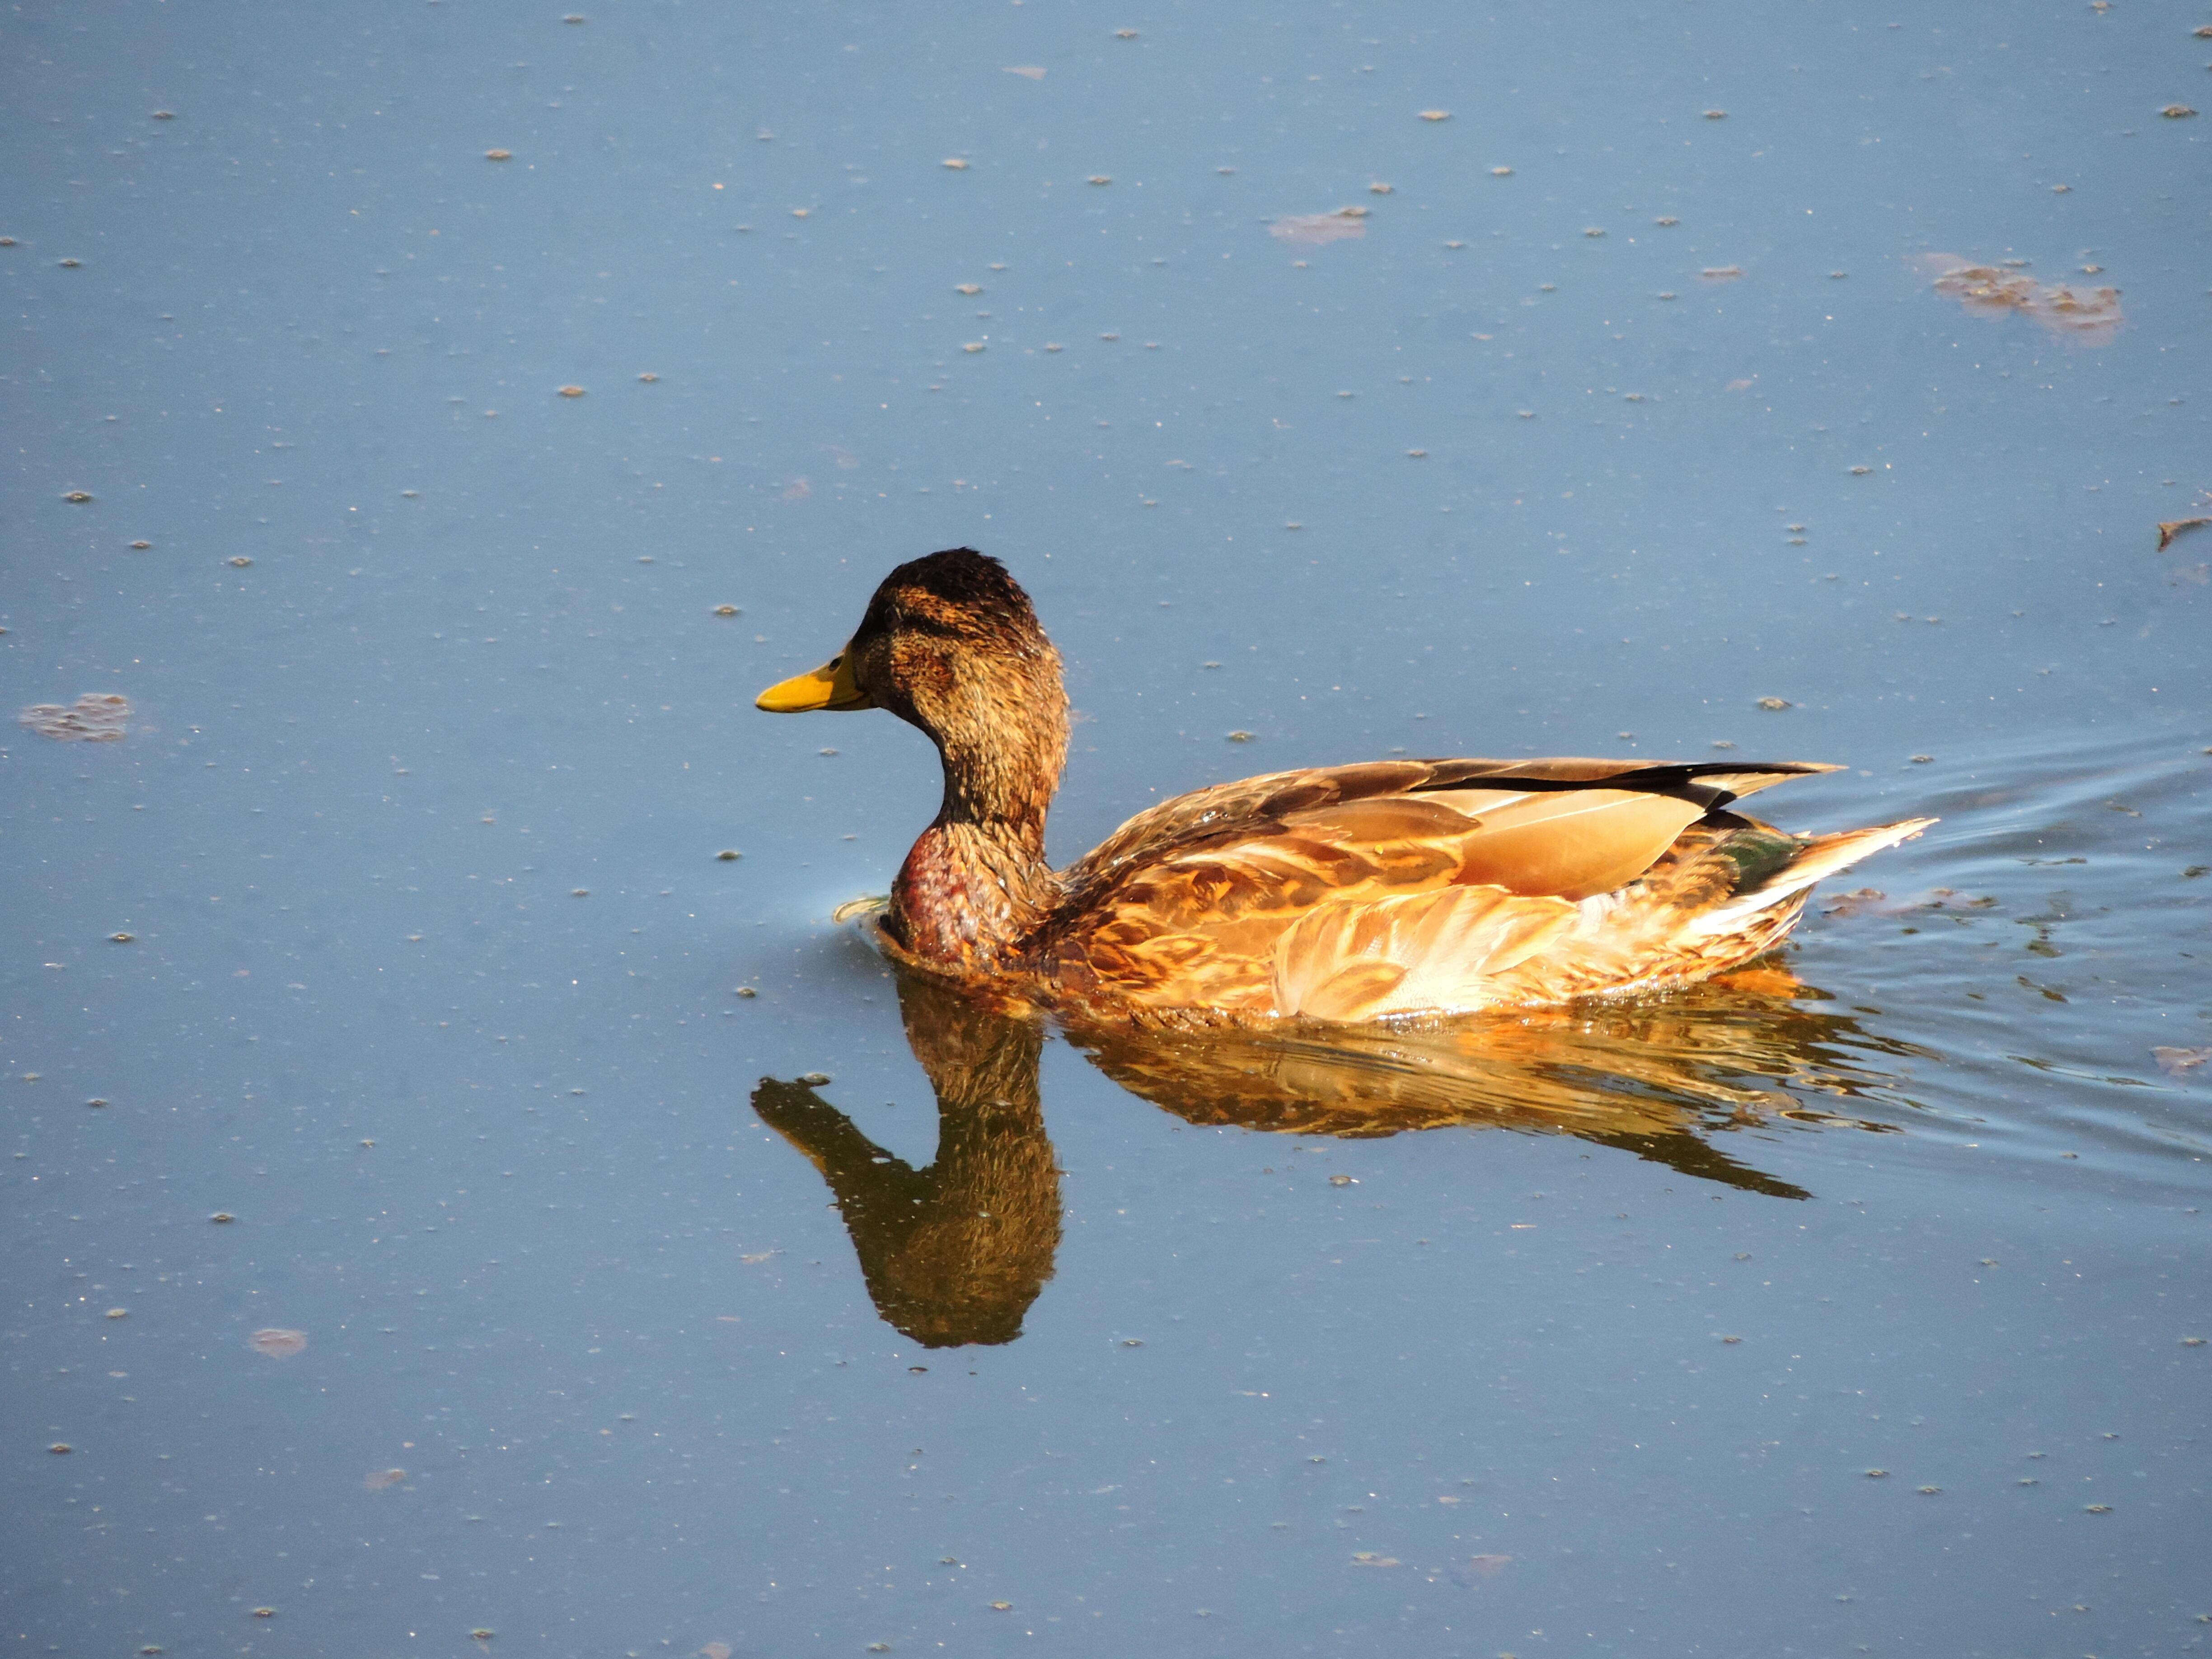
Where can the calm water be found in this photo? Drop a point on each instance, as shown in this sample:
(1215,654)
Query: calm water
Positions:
(1581,1334)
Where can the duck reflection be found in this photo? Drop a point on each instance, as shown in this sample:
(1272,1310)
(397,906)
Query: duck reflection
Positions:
(957,1252)
(954,1253)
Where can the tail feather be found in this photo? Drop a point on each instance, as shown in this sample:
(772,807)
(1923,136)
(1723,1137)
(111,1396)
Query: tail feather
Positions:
(1822,857)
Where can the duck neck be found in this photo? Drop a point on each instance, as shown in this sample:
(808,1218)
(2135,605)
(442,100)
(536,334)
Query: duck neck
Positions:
(976,886)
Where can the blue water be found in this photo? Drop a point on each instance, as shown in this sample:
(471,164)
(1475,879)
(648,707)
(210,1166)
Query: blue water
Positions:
(437,728)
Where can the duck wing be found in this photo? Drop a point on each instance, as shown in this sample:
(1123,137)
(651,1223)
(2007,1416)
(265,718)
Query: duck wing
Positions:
(1228,812)
(1241,899)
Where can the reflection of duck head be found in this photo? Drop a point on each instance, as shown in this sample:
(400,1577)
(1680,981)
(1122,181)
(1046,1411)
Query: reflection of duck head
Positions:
(957,1252)
(954,1253)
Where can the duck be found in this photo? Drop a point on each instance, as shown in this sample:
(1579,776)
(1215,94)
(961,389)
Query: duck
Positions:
(1382,892)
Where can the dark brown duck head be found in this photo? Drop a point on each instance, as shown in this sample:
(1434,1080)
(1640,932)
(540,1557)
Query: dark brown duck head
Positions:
(950,643)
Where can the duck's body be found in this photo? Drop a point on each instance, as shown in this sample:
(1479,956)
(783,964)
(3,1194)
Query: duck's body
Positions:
(1344,894)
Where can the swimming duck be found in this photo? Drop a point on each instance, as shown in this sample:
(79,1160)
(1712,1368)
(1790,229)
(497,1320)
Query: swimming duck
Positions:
(1378,891)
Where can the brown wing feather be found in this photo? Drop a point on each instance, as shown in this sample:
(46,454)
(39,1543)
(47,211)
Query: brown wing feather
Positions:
(1189,904)
(1226,811)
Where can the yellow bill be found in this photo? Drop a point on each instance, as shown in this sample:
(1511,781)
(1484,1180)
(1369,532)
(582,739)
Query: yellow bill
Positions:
(830,686)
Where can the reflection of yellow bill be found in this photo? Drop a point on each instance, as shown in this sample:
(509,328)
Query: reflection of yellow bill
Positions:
(830,686)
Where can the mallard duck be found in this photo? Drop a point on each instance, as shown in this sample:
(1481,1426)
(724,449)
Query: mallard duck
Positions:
(1378,891)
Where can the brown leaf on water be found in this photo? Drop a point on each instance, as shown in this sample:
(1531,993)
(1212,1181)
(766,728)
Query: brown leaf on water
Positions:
(95,717)
(2168,529)
(277,1344)
(378,1480)
(1345,224)
(2089,315)
(2179,1062)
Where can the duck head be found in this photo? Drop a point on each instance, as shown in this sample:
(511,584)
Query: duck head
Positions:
(951,644)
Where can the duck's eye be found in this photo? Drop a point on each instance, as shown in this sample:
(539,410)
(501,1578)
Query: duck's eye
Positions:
(838,660)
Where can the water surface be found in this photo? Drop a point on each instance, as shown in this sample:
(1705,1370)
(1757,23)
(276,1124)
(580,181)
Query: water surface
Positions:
(1844,1305)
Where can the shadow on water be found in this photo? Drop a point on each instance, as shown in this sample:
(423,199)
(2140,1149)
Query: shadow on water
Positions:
(955,1252)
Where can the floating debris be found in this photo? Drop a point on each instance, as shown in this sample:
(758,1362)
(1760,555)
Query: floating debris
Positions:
(61,1448)
(1670,219)
(1378,188)
(1345,224)
(1716,115)
(1343,1181)
(1435,115)
(238,561)
(1774,705)
(378,1480)
(499,155)
(959,164)
(1721,273)
(2170,528)
(973,345)
(1238,737)
(727,611)
(1928,1491)
(1369,1558)
(969,288)
(79,496)
(2179,1062)
(2177,111)
(141,546)
(277,1344)
(572,391)
(648,379)
(1501,172)
(264,1613)
(1101,179)
(122,939)
(814,1079)
(222,1218)
(1027,71)
(2090,315)
(1595,230)
(95,717)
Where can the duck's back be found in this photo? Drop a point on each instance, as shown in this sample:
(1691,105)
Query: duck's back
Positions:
(1360,892)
